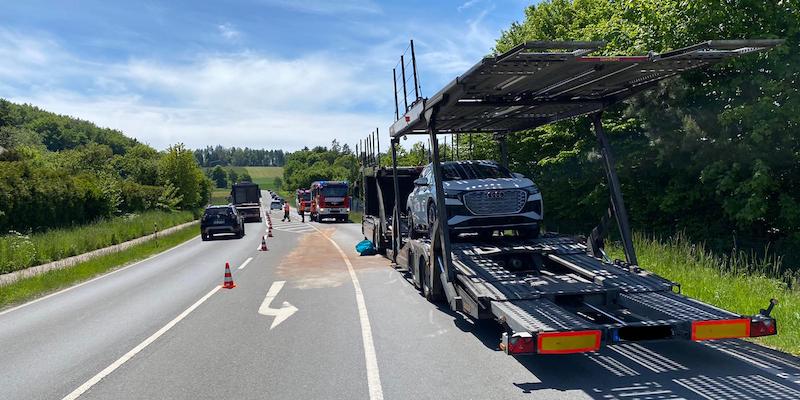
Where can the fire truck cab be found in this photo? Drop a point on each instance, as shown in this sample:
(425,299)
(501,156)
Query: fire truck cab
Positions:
(331,200)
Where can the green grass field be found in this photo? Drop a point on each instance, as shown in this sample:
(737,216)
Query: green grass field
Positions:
(265,176)
(22,251)
(29,288)
(732,283)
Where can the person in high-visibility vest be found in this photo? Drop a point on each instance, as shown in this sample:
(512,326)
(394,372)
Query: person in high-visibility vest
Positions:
(301,209)
(313,210)
(286,212)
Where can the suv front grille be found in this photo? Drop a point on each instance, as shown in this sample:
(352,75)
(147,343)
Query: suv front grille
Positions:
(493,202)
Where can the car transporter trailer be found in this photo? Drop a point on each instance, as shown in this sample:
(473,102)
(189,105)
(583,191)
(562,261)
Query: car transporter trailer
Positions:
(553,294)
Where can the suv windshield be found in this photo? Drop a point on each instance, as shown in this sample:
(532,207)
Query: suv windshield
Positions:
(334,191)
(465,171)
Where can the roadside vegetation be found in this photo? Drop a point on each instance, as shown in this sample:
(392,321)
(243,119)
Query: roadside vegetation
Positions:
(18,251)
(738,282)
(29,288)
(68,186)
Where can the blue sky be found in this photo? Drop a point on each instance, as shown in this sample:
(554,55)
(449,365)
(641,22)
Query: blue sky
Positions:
(257,73)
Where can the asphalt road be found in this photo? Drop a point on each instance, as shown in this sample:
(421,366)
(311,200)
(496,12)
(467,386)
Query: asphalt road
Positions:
(162,329)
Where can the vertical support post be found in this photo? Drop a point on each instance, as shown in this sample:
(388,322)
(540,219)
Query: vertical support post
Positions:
(405,96)
(617,204)
(378,144)
(396,237)
(458,146)
(442,227)
(396,104)
(414,66)
(502,139)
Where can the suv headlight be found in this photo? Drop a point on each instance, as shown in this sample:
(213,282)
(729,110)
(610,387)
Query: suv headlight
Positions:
(450,194)
(533,189)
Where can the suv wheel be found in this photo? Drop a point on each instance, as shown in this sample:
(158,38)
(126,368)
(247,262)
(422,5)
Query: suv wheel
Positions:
(431,218)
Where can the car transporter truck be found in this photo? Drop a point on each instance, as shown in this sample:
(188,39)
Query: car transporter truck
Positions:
(553,294)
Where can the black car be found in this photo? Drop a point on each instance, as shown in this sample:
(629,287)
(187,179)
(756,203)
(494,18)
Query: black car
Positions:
(221,219)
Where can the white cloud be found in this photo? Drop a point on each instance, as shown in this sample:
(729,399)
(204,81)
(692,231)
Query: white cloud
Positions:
(228,31)
(468,4)
(161,126)
(242,99)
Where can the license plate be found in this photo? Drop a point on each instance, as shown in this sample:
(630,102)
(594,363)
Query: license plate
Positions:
(334,211)
(219,222)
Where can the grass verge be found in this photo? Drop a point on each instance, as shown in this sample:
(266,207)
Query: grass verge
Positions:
(731,283)
(19,251)
(29,288)
(356,216)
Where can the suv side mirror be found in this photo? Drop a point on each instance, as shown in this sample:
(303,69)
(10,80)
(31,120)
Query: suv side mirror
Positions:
(421,181)
(518,175)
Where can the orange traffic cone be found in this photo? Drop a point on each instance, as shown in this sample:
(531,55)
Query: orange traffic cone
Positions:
(269,231)
(228,282)
(263,244)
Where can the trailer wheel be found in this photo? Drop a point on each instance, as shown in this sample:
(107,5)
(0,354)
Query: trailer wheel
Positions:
(412,233)
(432,284)
(419,275)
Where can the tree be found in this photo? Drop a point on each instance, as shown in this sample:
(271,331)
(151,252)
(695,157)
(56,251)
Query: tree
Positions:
(233,176)
(219,177)
(179,168)
(708,152)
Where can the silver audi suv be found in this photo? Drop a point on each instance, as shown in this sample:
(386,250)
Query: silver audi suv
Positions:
(480,197)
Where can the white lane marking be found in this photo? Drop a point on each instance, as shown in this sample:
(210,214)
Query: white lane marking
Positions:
(94,279)
(373,375)
(280,314)
(122,360)
(244,264)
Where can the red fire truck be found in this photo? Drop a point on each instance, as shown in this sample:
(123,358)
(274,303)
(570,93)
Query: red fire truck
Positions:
(303,197)
(331,200)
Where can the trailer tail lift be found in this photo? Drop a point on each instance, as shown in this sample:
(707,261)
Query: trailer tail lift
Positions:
(553,294)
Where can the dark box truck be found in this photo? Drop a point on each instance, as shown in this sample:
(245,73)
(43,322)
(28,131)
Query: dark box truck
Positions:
(246,197)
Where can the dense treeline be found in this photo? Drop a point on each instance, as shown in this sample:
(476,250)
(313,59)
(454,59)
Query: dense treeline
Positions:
(715,153)
(320,163)
(57,171)
(239,157)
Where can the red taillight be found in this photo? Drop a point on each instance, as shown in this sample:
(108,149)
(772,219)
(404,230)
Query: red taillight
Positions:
(764,327)
(520,345)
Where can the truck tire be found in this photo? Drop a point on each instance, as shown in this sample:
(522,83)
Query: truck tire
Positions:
(432,283)
(412,232)
(204,237)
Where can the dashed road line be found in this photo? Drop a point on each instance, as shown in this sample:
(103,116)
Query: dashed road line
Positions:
(141,346)
(244,264)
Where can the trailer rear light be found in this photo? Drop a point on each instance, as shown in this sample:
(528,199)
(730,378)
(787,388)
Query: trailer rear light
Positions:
(764,327)
(568,342)
(720,329)
(518,343)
